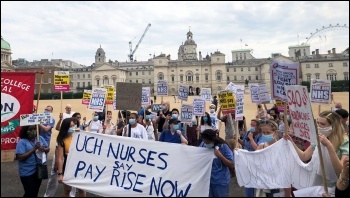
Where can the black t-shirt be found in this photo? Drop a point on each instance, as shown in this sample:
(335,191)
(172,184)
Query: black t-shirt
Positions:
(342,193)
(241,124)
(162,120)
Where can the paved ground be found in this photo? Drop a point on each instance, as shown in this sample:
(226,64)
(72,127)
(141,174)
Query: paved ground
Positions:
(11,185)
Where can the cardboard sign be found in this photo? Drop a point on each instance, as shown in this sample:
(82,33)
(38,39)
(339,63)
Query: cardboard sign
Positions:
(97,100)
(61,81)
(128,96)
(320,91)
(162,88)
(156,107)
(146,96)
(186,113)
(35,118)
(227,102)
(231,87)
(110,94)
(300,112)
(264,95)
(254,93)
(239,103)
(206,94)
(86,97)
(283,74)
(198,107)
(183,92)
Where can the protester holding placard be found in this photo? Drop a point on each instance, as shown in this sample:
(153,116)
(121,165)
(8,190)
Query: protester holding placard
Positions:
(332,136)
(261,112)
(192,133)
(176,115)
(108,126)
(62,116)
(95,124)
(64,139)
(46,129)
(213,116)
(229,130)
(222,162)
(161,115)
(134,129)
(27,151)
(174,134)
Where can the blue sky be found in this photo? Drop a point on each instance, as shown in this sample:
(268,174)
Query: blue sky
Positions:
(74,30)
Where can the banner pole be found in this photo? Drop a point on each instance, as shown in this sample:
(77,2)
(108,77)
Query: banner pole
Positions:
(37,103)
(285,118)
(199,131)
(319,109)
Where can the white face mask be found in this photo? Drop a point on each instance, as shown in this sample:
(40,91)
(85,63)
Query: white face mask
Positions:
(326,131)
(212,110)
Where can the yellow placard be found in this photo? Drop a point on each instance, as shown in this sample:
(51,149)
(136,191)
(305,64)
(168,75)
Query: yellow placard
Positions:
(227,102)
(61,81)
(86,97)
(110,94)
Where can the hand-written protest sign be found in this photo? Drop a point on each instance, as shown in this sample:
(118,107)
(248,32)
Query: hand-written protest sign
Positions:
(183,92)
(156,107)
(254,93)
(86,97)
(227,102)
(264,95)
(61,81)
(300,111)
(113,165)
(97,100)
(239,103)
(128,96)
(162,88)
(110,94)
(146,99)
(186,113)
(35,118)
(198,107)
(206,94)
(231,87)
(283,73)
(320,91)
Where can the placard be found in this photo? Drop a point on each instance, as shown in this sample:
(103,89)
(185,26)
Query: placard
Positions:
(254,93)
(86,97)
(231,87)
(239,103)
(206,94)
(186,113)
(61,81)
(146,96)
(35,118)
(301,113)
(162,88)
(280,105)
(156,107)
(183,92)
(110,94)
(227,102)
(283,74)
(320,91)
(128,96)
(97,100)
(198,107)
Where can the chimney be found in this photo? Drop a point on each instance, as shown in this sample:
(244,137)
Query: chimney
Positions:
(317,51)
(200,55)
(333,50)
(329,51)
(313,52)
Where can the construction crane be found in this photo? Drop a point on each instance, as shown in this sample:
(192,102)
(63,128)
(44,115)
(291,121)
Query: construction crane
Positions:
(131,55)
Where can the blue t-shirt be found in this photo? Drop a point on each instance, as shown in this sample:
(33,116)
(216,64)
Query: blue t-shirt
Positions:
(220,173)
(166,136)
(246,143)
(27,167)
(47,135)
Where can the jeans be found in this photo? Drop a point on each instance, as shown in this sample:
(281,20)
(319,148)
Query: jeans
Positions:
(218,191)
(249,192)
(31,185)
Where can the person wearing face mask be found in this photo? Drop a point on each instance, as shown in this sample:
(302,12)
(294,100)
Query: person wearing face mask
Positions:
(152,135)
(134,129)
(95,124)
(108,126)
(162,115)
(213,117)
(26,149)
(123,117)
(332,135)
(175,114)
(192,133)
(204,124)
(222,163)
(46,129)
(64,139)
(174,134)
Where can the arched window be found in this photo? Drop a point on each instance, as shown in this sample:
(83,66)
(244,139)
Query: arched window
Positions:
(97,78)
(173,78)
(189,76)
(197,78)
(173,91)
(105,80)
(308,77)
(218,75)
(160,76)
(331,75)
(114,79)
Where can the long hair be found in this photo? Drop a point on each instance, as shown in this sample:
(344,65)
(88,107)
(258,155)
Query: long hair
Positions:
(209,120)
(63,133)
(338,132)
(23,134)
(210,134)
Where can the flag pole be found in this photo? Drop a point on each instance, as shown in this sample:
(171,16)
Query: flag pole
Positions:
(37,103)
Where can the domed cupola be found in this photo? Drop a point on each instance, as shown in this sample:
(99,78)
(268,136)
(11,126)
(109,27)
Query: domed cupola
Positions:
(100,57)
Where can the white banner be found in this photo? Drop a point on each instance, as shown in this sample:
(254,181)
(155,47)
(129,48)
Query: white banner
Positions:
(183,92)
(121,166)
(254,93)
(206,94)
(98,98)
(279,166)
(320,91)
(35,118)
(146,92)
(283,73)
(301,113)
(198,107)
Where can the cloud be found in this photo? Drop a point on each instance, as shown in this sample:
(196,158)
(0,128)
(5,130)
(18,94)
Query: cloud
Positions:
(35,30)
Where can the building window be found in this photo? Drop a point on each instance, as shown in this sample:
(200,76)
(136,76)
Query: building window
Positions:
(307,65)
(130,80)
(249,78)
(172,78)
(83,84)
(316,65)
(160,61)
(89,84)
(189,76)
(160,76)
(71,84)
(130,73)
(49,90)
(83,76)
(228,78)
(235,78)
(180,70)
(317,76)
(196,69)
(241,69)
(218,75)
(114,80)
(345,64)
(98,82)
(197,78)
(88,75)
(331,77)
(143,81)
(256,68)
(105,81)
(49,73)
(172,70)
(234,69)
(49,81)
(181,78)
(256,77)
(137,73)
(242,77)
(206,77)
(308,77)
(149,81)
(149,72)
(206,70)
(78,84)
(227,70)
(330,64)
(346,75)
(137,81)
(143,73)
(248,68)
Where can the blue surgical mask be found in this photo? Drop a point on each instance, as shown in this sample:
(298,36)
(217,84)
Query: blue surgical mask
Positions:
(175,116)
(205,119)
(176,127)
(95,118)
(132,121)
(71,130)
(252,129)
(209,146)
(148,117)
(46,111)
(268,138)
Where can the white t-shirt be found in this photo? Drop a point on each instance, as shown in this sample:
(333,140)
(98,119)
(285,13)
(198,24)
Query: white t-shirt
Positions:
(95,126)
(150,131)
(65,115)
(138,132)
